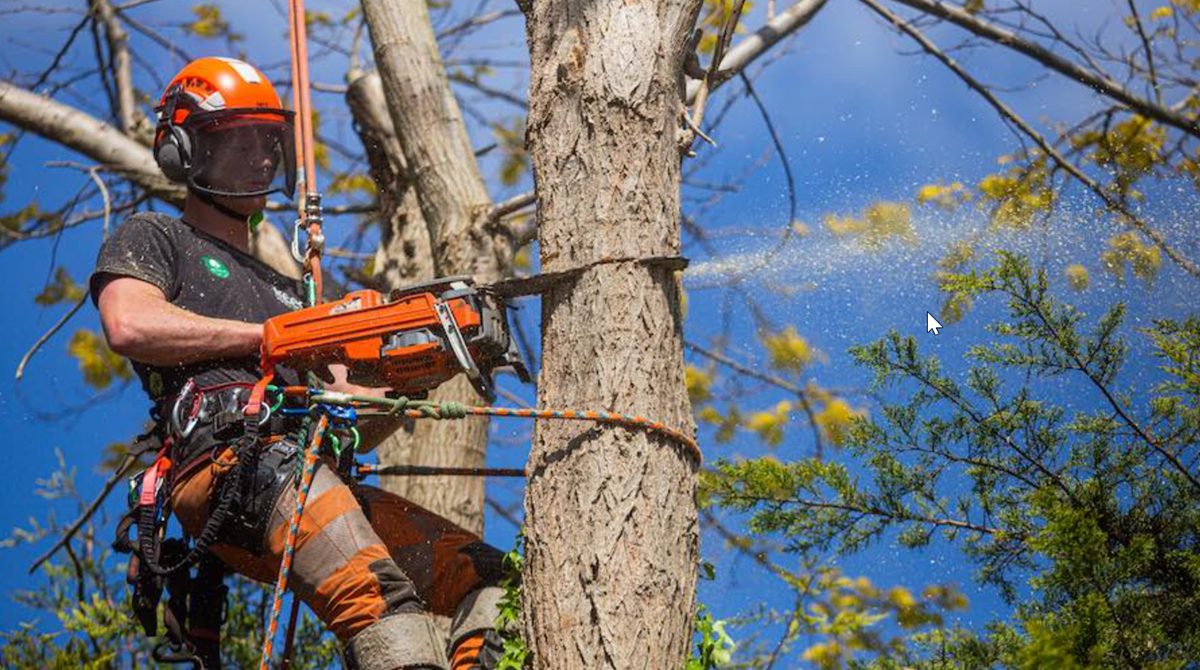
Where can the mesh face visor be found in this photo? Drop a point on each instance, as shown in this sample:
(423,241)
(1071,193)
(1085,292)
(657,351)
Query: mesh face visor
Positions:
(242,152)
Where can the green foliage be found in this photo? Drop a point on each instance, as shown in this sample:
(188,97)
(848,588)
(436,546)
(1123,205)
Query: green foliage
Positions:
(1097,512)
(99,365)
(714,648)
(515,654)
(62,289)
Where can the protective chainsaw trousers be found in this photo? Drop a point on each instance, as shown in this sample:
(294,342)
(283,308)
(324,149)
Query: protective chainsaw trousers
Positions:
(371,565)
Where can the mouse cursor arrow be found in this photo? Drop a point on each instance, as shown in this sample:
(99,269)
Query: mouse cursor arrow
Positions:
(931,324)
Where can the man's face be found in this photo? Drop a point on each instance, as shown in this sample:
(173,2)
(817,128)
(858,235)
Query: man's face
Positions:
(242,158)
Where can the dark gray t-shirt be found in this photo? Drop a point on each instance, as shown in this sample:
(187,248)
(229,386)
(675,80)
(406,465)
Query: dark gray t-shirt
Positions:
(203,275)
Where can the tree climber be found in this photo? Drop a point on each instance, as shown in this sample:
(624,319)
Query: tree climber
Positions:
(184,300)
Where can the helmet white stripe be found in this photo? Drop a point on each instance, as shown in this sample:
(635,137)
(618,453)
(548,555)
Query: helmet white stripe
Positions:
(246,70)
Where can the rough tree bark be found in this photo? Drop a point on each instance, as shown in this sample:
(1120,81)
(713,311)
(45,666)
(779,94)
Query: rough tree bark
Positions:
(611,528)
(453,201)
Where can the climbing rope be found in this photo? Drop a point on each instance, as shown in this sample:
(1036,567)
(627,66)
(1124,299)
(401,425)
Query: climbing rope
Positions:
(422,409)
(317,433)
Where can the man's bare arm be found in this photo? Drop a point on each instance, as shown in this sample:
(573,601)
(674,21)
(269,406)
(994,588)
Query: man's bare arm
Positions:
(142,325)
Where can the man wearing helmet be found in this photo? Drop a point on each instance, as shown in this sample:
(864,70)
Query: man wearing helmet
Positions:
(183,299)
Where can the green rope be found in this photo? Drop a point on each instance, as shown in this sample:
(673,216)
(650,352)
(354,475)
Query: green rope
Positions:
(357,439)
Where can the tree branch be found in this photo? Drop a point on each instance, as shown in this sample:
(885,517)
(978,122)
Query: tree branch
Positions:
(132,121)
(748,50)
(87,135)
(1011,40)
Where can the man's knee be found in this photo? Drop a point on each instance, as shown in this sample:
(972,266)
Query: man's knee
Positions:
(405,641)
(475,642)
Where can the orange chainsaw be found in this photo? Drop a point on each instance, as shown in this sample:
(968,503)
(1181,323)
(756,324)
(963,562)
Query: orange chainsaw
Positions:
(411,341)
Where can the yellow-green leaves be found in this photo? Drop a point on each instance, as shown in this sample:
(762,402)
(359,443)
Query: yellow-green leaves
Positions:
(320,151)
(788,351)
(62,289)
(210,23)
(347,183)
(1128,253)
(727,423)
(1163,12)
(945,196)
(1129,149)
(99,365)
(1019,194)
(715,14)
(769,424)
(42,221)
(5,140)
(880,222)
(699,383)
(1077,277)
(843,615)
(834,420)
(511,139)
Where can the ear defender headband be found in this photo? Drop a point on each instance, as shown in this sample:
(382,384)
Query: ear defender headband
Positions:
(174,152)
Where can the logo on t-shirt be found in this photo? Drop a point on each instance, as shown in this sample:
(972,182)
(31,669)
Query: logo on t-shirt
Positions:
(215,267)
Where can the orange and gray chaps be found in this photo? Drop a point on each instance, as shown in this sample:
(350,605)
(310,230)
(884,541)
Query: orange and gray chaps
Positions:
(372,566)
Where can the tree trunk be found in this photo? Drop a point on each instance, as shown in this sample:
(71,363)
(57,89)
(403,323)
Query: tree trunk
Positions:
(453,201)
(611,528)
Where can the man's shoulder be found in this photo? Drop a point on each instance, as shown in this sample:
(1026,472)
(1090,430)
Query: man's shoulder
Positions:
(140,222)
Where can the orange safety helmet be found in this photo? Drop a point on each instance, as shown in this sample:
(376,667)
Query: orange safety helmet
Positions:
(222,131)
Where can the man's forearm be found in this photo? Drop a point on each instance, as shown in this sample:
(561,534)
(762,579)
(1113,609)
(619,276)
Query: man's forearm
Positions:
(182,337)
(150,330)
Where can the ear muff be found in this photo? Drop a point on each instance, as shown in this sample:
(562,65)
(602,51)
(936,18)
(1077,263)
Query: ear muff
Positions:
(174,153)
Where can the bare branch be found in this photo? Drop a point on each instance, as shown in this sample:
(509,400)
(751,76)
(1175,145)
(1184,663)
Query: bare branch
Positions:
(129,461)
(92,172)
(748,50)
(47,335)
(478,22)
(1099,83)
(83,133)
(132,121)
(1141,31)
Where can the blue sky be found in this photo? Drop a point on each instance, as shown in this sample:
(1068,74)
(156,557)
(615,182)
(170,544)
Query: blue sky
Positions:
(860,122)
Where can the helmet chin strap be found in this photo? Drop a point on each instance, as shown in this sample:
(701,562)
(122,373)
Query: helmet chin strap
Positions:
(229,212)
